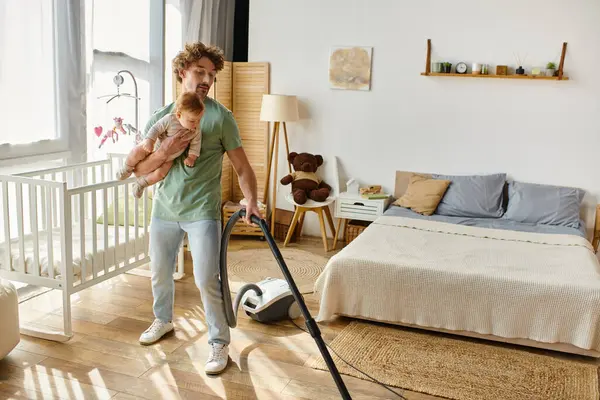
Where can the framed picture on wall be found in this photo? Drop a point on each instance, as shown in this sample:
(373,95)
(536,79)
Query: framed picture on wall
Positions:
(350,67)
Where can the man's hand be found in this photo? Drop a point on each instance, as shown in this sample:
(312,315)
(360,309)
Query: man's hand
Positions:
(173,144)
(247,180)
(252,209)
(170,145)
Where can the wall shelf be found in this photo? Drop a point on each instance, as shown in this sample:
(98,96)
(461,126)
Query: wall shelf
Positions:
(560,76)
(532,77)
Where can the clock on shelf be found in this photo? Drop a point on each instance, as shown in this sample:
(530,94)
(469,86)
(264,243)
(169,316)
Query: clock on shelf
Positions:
(461,70)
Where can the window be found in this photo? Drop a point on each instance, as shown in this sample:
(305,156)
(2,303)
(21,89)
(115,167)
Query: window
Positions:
(28,79)
(125,36)
(173,43)
(122,26)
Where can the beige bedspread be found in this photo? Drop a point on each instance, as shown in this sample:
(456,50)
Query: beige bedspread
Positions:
(543,287)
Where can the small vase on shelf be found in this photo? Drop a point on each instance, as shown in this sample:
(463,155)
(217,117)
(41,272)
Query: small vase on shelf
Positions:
(550,69)
(520,71)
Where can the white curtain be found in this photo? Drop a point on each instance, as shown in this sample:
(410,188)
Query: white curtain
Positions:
(27,84)
(42,81)
(71,75)
(210,22)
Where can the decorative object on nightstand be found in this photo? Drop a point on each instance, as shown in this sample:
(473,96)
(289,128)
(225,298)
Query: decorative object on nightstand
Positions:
(278,109)
(373,192)
(353,207)
(352,186)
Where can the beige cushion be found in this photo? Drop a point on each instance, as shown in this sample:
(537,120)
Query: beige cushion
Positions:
(423,194)
(9,315)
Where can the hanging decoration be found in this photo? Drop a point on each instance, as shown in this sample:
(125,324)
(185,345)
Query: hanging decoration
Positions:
(118,125)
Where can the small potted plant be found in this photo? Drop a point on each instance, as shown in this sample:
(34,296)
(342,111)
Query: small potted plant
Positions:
(446,67)
(550,69)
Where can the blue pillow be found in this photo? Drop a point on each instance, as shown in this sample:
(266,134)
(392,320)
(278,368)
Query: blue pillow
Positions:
(544,204)
(475,196)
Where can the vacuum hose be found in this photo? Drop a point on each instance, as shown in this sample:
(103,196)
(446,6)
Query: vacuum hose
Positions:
(231,310)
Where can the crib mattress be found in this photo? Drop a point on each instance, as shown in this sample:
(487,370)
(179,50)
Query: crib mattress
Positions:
(114,252)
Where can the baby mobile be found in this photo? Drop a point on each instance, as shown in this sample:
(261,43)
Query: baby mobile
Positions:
(119,126)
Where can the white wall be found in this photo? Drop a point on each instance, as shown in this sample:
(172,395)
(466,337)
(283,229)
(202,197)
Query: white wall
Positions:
(537,131)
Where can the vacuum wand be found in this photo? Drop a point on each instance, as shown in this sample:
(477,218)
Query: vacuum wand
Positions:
(311,325)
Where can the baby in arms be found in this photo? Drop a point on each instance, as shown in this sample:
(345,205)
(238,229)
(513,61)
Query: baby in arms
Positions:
(189,110)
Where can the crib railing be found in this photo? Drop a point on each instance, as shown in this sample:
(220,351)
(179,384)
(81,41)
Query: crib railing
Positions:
(92,199)
(29,207)
(39,205)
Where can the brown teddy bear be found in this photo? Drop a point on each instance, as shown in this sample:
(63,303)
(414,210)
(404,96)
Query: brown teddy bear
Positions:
(305,182)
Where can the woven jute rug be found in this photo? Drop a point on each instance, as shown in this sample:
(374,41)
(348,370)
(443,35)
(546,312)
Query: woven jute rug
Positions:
(253,265)
(458,369)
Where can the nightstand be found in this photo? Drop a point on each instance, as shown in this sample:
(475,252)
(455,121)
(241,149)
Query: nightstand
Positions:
(349,206)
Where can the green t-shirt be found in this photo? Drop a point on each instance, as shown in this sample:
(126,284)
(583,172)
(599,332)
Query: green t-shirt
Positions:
(192,194)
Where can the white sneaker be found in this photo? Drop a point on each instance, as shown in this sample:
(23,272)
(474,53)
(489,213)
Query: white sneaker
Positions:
(217,360)
(156,331)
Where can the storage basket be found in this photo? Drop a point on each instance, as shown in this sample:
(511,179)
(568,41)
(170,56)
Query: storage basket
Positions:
(354,228)
(283,220)
(240,227)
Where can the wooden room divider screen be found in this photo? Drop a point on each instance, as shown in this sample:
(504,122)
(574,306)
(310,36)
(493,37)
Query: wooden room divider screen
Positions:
(240,87)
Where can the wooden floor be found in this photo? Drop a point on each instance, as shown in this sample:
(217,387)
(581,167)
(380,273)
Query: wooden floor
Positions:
(104,359)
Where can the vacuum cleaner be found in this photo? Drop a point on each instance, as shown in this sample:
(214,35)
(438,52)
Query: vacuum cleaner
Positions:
(271,299)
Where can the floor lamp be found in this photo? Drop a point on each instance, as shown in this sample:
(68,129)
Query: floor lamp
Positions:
(278,109)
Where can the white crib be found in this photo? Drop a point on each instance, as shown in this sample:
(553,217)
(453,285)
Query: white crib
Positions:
(52,235)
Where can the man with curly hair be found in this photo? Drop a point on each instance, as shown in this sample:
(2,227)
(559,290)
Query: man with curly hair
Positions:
(188,201)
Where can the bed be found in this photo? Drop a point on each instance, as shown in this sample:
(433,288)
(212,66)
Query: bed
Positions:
(492,273)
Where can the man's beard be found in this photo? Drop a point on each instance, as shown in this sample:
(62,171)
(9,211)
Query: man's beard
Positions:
(202,90)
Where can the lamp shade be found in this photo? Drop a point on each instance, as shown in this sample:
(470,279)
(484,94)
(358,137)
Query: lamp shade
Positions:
(279,107)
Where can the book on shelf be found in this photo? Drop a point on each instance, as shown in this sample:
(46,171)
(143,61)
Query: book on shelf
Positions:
(374,196)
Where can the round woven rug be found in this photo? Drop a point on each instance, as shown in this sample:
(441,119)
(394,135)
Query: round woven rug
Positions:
(254,265)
